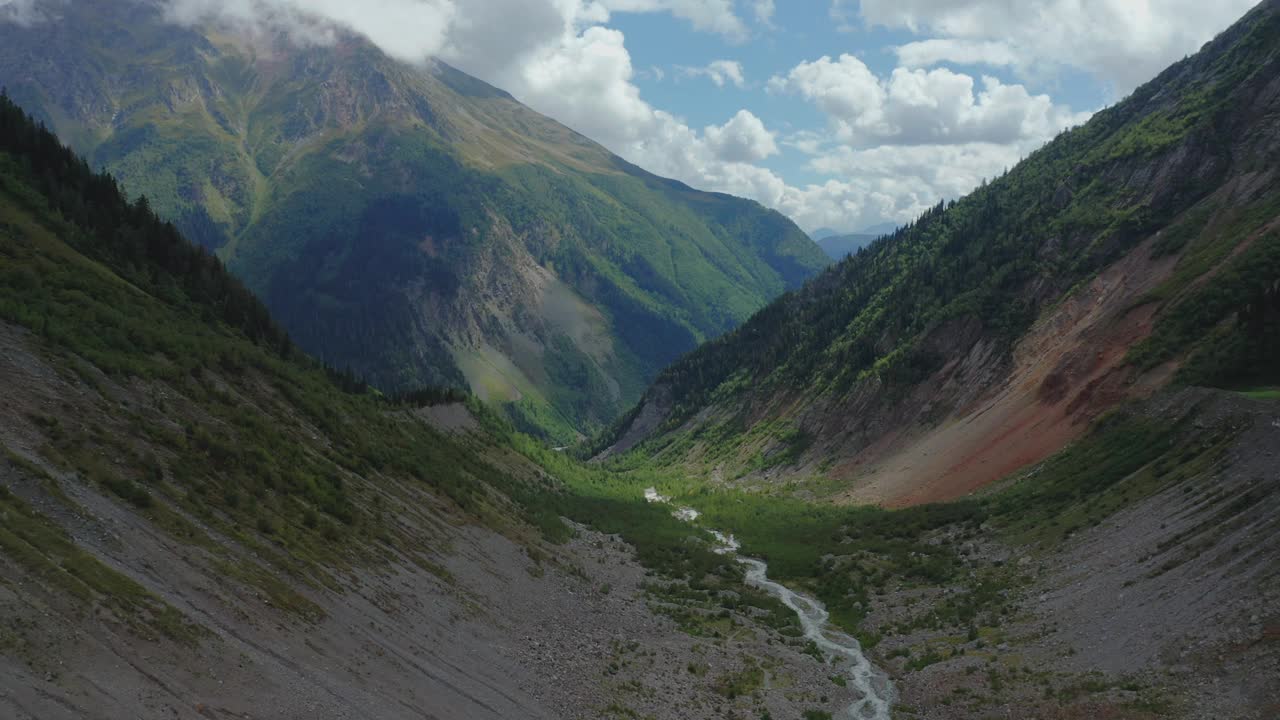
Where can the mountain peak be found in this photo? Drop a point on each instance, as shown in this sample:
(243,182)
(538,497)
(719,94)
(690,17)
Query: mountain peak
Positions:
(409,221)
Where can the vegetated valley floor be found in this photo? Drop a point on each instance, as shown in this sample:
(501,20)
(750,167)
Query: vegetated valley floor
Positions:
(1136,574)
(492,625)
(1157,597)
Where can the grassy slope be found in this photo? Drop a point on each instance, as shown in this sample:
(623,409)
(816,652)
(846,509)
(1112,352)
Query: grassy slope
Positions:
(237,449)
(248,471)
(243,449)
(250,451)
(1010,251)
(323,170)
(952,608)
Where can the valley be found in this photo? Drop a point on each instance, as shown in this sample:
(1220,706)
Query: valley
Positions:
(336,386)
(1130,254)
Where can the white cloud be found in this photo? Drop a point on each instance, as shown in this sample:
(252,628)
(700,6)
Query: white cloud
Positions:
(743,139)
(584,80)
(708,15)
(720,72)
(1122,42)
(894,144)
(926,53)
(902,142)
(408,29)
(654,72)
(843,13)
(764,10)
(887,182)
(492,35)
(843,89)
(945,171)
(917,107)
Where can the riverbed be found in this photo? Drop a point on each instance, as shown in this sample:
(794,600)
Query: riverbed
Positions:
(874,687)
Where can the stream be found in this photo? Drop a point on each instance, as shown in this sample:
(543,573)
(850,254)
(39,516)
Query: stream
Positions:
(873,686)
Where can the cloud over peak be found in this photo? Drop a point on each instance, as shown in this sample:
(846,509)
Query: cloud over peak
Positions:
(975,88)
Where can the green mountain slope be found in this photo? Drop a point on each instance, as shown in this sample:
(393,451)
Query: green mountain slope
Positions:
(196,519)
(208,411)
(1137,250)
(138,370)
(416,225)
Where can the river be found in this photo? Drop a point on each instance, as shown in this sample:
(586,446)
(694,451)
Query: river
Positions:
(873,686)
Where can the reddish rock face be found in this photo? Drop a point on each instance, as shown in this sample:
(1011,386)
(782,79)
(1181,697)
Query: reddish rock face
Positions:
(994,330)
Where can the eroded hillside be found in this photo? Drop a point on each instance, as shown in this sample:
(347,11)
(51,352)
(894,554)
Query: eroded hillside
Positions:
(196,520)
(1132,253)
(199,521)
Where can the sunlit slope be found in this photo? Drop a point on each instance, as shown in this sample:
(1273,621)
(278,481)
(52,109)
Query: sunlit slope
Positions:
(406,221)
(1134,252)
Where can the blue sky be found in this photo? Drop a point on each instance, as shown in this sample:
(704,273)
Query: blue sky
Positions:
(665,49)
(838,113)
(847,113)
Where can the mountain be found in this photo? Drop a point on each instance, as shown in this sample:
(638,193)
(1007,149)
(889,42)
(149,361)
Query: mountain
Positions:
(884,228)
(1136,252)
(178,483)
(412,224)
(197,520)
(838,246)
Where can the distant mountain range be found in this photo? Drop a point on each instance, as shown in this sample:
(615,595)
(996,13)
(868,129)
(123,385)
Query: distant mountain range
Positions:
(837,245)
(414,225)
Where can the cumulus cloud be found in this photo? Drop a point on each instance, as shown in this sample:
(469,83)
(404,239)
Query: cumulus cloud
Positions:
(919,107)
(925,53)
(584,80)
(720,72)
(894,142)
(1122,42)
(716,16)
(946,171)
(742,139)
(902,141)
